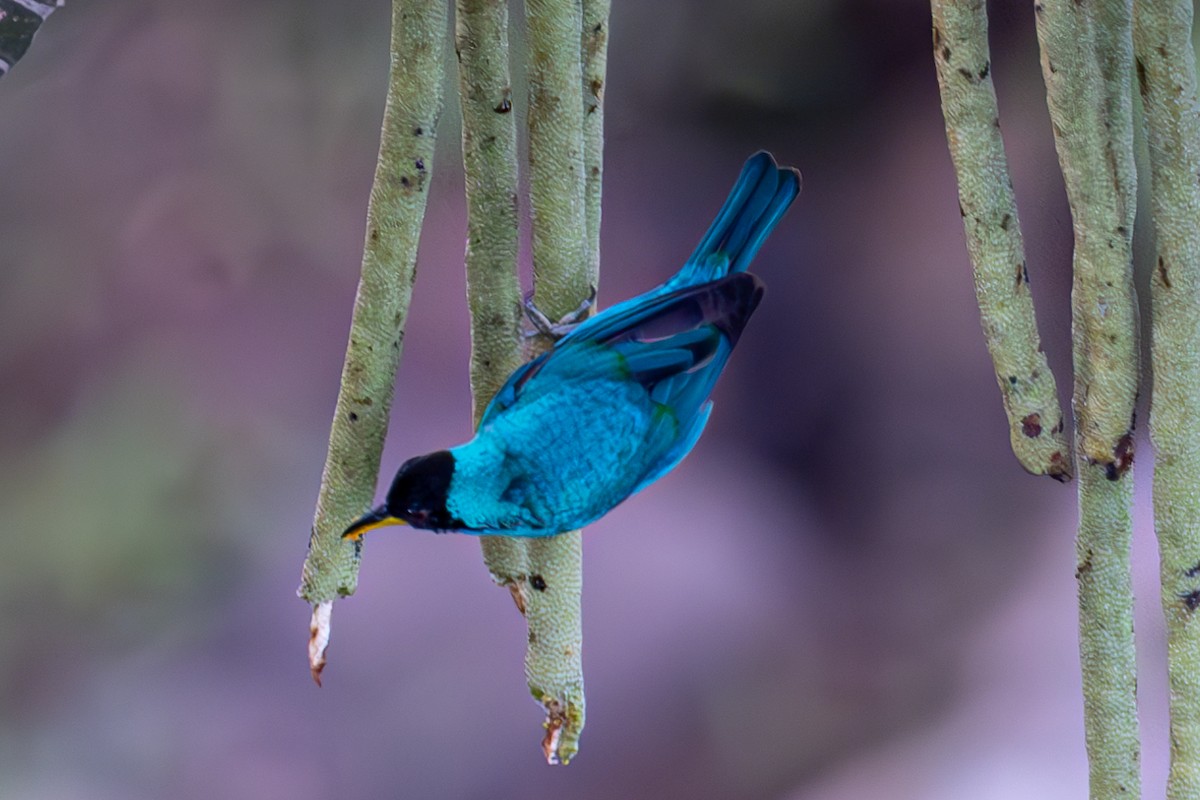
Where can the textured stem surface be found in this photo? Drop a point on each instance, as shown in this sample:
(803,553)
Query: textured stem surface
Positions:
(994,240)
(562,280)
(1167,79)
(595,64)
(490,164)
(1086,58)
(394,216)
(1093,132)
(1106,644)
(556,183)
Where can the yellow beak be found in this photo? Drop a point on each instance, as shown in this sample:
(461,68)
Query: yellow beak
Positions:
(375,518)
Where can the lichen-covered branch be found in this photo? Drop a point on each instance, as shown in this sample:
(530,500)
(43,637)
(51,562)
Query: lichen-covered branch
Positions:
(493,291)
(1167,80)
(394,216)
(562,280)
(994,241)
(1094,136)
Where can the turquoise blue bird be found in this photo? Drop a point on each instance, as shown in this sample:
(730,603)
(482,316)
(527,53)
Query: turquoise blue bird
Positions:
(615,404)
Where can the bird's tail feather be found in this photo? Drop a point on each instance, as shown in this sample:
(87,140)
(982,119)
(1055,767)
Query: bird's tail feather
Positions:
(755,205)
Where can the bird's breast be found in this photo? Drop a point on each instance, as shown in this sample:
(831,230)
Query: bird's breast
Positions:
(584,450)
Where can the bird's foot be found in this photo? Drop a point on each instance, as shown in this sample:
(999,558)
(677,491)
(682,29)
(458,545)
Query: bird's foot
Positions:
(542,326)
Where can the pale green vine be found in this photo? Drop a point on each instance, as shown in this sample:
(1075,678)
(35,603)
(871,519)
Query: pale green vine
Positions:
(1167,78)
(394,216)
(1086,53)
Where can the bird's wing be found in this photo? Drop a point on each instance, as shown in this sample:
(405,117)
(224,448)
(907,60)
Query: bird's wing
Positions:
(674,345)
(511,390)
(684,441)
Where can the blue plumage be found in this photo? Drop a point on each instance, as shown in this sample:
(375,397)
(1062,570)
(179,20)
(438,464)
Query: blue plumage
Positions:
(614,405)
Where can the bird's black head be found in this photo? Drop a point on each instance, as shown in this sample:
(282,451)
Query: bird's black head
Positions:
(417,498)
(419,490)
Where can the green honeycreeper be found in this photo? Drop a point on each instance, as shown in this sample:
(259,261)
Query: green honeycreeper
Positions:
(614,405)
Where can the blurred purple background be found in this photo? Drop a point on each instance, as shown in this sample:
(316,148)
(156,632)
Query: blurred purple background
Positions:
(849,590)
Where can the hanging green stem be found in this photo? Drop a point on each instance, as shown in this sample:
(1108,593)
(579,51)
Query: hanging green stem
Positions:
(562,280)
(556,148)
(1167,78)
(994,242)
(1085,90)
(1106,651)
(493,292)
(1094,136)
(394,216)
(595,64)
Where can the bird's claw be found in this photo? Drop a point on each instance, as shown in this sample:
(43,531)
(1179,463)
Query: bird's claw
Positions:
(542,326)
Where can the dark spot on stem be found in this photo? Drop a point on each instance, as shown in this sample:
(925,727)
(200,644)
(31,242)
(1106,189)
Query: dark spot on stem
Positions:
(418,131)
(353,417)
(1193,572)
(1162,273)
(946,54)
(1006,221)
(1143,84)
(987,67)
(505,104)
(405,182)
(374,234)
(1012,379)
(966,73)
(1122,458)
(419,164)
(537,582)
(1085,566)
(1191,600)
(1058,468)
(1031,425)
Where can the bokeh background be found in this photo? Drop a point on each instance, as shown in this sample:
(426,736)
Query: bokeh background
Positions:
(849,590)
